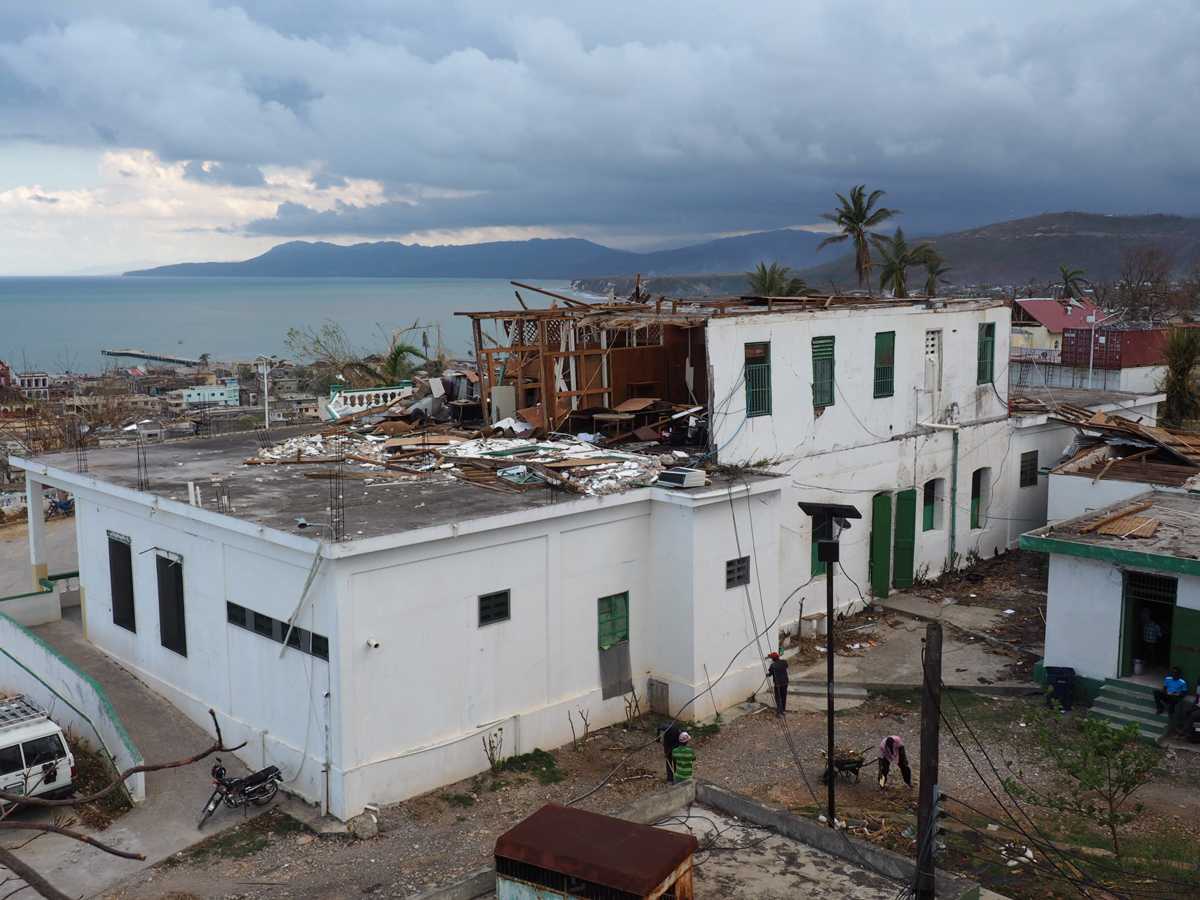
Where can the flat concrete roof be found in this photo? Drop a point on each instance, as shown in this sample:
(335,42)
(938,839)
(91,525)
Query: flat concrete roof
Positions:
(738,860)
(276,496)
(1053,396)
(1172,546)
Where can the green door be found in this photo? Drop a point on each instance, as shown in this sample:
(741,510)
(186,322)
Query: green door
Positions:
(881,544)
(1185,642)
(906,538)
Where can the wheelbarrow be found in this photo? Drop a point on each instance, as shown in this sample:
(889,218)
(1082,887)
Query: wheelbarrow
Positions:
(847,762)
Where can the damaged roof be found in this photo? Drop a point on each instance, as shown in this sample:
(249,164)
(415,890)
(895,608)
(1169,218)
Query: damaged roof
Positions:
(1154,530)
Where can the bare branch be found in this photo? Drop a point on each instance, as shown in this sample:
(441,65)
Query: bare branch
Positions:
(71,833)
(217,747)
(30,876)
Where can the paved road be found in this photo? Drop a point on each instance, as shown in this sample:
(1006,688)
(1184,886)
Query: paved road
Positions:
(15,574)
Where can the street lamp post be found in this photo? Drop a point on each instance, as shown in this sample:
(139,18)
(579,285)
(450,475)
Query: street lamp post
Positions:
(267,365)
(828,552)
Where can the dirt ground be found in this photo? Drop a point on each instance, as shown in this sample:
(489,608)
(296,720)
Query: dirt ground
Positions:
(441,836)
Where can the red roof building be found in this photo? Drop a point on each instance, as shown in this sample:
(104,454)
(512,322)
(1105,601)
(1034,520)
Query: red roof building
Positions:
(1055,315)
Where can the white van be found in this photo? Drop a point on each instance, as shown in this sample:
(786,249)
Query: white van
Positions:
(34,757)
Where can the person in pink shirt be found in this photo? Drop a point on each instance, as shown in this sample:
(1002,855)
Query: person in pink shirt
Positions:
(891,752)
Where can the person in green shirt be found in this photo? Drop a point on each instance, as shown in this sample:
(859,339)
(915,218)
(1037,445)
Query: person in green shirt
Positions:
(683,758)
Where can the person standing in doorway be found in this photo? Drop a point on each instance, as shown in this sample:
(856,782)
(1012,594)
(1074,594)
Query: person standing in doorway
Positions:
(891,752)
(683,758)
(778,670)
(1152,635)
(670,740)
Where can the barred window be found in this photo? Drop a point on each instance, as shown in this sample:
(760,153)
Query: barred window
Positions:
(758,379)
(1029,468)
(494,607)
(885,363)
(737,572)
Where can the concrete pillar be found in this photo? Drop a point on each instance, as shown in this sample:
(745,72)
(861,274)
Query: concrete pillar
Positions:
(36,512)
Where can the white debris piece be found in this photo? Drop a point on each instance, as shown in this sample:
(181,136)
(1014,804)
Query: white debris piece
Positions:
(614,471)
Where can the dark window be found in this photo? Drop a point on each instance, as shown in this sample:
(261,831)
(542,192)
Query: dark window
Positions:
(120,577)
(1029,468)
(758,379)
(980,488)
(822,385)
(986,368)
(43,750)
(320,646)
(172,627)
(613,619)
(885,363)
(737,572)
(929,505)
(822,530)
(10,760)
(493,608)
(265,626)
(299,638)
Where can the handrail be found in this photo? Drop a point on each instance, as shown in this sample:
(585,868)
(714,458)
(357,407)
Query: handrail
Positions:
(47,584)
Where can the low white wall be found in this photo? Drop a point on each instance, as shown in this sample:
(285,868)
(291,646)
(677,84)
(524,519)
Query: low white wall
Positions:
(1083,616)
(1074,495)
(32,667)
(33,609)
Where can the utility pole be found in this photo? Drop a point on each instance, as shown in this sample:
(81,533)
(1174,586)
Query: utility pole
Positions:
(931,711)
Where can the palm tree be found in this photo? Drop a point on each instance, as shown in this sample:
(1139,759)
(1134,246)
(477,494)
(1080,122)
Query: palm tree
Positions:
(774,281)
(1181,354)
(396,366)
(935,271)
(855,218)
(1071,282)
(898,257)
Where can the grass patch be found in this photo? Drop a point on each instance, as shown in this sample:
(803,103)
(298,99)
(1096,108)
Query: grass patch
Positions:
(538,763)
(706,729)
(240,842)
(460,800)
(94,771)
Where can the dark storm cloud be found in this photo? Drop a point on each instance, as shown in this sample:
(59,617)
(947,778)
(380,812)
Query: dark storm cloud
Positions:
(233,174)
(667,116)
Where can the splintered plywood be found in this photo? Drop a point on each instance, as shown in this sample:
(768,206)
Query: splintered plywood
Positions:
(1130,526)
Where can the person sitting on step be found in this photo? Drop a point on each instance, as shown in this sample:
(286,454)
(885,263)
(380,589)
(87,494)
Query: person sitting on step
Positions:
(1174,688)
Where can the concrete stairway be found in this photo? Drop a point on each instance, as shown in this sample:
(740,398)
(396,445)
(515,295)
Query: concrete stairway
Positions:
(1125,702)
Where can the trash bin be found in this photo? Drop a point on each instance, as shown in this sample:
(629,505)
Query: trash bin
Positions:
(1139,667)
(1061,681)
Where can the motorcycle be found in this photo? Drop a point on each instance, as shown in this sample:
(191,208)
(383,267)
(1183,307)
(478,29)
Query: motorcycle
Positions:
(258,788)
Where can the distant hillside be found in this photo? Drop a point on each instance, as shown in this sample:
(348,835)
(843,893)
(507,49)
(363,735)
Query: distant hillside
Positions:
(537,258)
(1014,252)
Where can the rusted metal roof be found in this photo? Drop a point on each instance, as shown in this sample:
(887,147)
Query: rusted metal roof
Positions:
(622,855)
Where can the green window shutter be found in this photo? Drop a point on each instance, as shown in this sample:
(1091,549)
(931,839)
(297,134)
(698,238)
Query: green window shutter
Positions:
(905,547)
(976,496)
(1029,469)
(822,530)
(613,619)
(885,363)
(758,379)
(823,369)
(986,369)
(930,499)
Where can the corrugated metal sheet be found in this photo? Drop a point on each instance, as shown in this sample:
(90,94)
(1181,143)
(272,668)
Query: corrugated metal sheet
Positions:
(599,849)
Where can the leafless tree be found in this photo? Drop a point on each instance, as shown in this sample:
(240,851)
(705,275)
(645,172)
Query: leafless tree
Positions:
(1144,287)
(30,876)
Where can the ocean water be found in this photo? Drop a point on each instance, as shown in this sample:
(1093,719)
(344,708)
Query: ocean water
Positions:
(61,324)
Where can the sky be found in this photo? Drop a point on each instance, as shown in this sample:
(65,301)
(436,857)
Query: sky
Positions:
(139,132)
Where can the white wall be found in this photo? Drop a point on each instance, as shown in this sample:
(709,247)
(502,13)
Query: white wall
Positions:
(30,666)
(275,704)
(1074,495)
(1083,614)
(417,709)
(856,417)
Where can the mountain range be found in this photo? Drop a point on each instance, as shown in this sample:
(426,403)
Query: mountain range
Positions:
(1005,253)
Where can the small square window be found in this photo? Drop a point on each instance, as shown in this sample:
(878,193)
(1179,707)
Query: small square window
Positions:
(236,615)
(493,608)
(737,572)
(1029,468)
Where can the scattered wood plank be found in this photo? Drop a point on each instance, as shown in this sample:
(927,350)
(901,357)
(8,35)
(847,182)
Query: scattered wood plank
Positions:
(1119,514)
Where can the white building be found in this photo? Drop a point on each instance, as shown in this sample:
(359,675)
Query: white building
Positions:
(34,385)
(453,612)
(1108,568)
